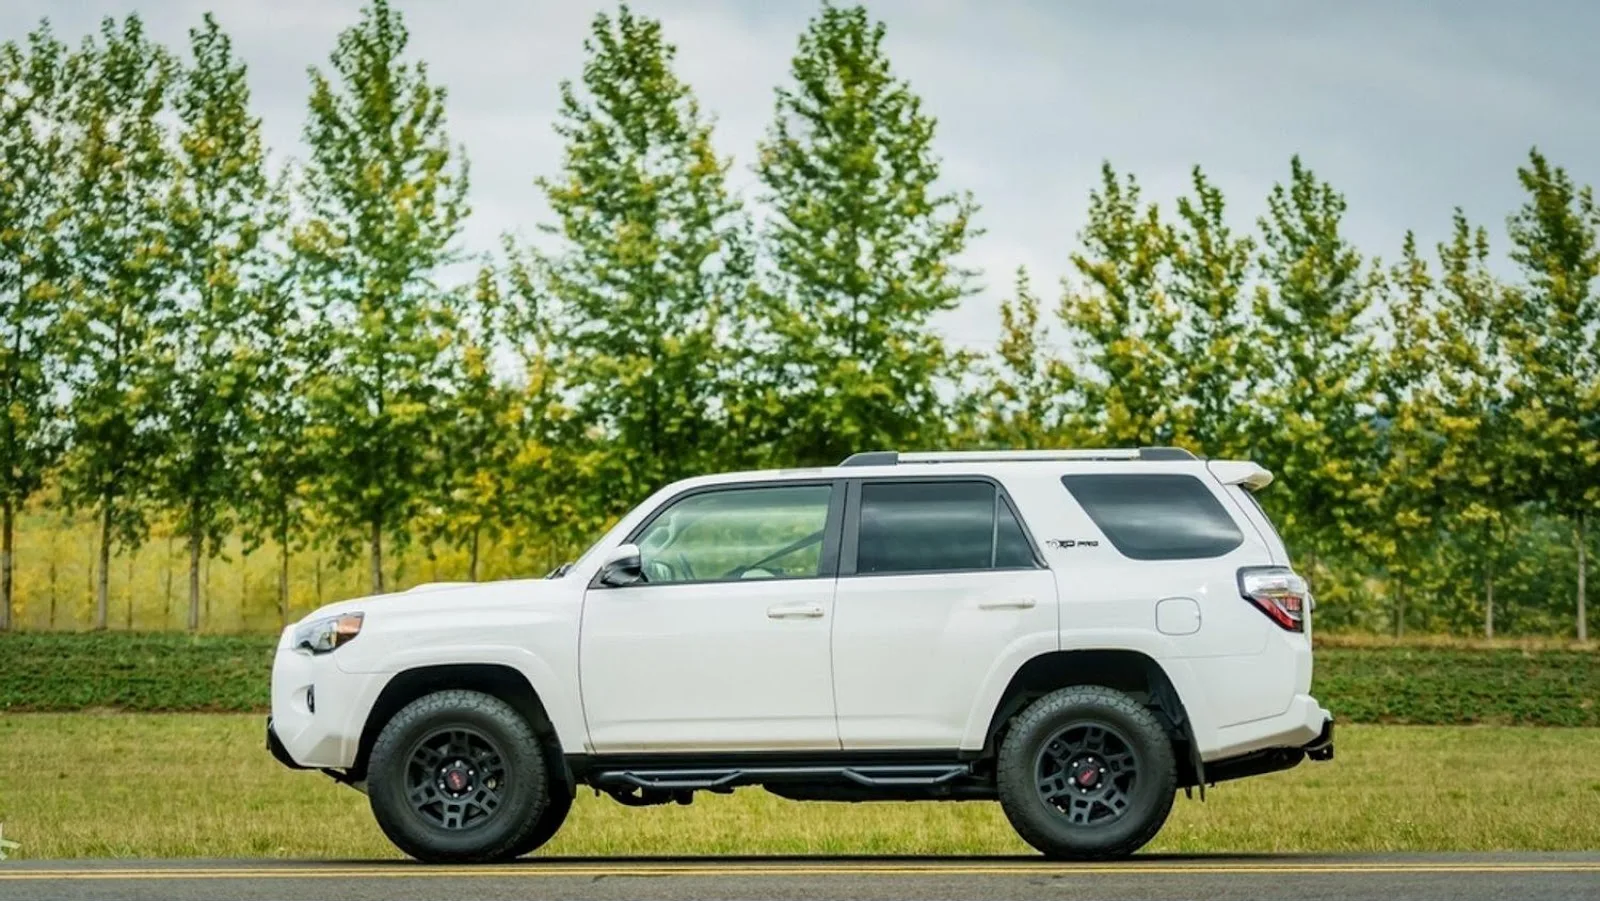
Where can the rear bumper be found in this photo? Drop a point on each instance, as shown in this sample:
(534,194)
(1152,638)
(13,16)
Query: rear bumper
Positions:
(1272,760)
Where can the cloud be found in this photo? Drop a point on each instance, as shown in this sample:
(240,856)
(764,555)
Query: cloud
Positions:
(1409,109)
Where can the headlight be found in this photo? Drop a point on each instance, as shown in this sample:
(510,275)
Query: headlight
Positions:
(323,635)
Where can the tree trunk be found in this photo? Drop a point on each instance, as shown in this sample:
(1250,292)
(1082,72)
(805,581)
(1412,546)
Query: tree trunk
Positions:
(52,589)
(132,555)
(472,565)
(1488,600)
(166,604)
(283,585)
(244,584)
(318,579)
(102,584)
(7,529)
(377,557)
(1583,577)
(196,548)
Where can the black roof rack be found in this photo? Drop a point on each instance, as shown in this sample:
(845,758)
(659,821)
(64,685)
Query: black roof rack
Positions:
(895,458)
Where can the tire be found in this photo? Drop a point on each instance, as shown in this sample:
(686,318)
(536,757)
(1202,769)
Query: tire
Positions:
(555,814)
(1109,767)
(478,772)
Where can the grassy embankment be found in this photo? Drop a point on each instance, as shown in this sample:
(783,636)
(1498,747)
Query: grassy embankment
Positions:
(1361,681)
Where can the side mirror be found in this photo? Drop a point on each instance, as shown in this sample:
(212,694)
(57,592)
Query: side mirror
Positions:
(623,566)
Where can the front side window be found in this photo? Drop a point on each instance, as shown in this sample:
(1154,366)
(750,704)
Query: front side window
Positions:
(1159,516)
(738,533)
(911,527)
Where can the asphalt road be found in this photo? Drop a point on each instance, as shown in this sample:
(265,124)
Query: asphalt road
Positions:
(1389,877)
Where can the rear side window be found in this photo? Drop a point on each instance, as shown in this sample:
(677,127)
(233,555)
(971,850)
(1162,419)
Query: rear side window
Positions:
(911,527)
(1158,516)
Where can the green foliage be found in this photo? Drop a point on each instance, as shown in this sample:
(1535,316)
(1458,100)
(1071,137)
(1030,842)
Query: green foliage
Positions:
(1418,685)
(1020,399)
(135,672)
(1216,350)
(384,199)
(862,255)
(1121,322)
(183,357)
(1556,340)
(1314,411)
(221,209)
(34,160)
(1429,686)
(651,260)
(119,297)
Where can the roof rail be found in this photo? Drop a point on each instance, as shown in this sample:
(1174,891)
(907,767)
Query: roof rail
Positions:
(894,458)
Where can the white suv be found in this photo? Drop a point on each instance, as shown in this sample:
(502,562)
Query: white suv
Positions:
(1076,634)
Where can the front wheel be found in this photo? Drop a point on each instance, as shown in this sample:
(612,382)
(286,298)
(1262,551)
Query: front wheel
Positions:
(1087,773)
(458,776)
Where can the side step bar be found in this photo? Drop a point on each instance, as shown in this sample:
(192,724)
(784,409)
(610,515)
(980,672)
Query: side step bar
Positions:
(870,776)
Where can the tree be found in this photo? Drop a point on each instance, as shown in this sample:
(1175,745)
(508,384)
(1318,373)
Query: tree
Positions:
(119,296)
(1405,496)
(477,491)
(282,357)
(650,259)
(1557,349)
(1215,348)
(863,250)
(33,276)
(222,207)
(1021,397)
(1315,426)
(1120,321)
(1479,435)
(385,198)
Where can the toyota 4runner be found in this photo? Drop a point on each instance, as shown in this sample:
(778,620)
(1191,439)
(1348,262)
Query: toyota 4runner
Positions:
(1075,634)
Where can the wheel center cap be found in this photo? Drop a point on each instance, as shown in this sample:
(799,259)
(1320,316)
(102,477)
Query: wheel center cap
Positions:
(456,779)
(1088,776)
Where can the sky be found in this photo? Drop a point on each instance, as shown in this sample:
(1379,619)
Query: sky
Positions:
(1409,108)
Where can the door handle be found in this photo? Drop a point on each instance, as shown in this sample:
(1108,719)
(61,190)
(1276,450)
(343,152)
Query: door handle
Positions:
(795,611)
(1007,604)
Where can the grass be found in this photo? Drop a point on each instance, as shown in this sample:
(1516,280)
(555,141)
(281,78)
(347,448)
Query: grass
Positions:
(181,785)
(1360,682)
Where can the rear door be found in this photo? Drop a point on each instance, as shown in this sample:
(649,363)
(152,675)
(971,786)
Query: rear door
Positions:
(937,578)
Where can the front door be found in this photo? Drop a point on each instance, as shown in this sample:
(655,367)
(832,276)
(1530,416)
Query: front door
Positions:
(724,645)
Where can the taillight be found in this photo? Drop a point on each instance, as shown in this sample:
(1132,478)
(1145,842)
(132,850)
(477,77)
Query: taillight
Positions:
(1279,592)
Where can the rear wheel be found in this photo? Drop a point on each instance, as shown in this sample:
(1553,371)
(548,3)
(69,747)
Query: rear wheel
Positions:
(458,776)
(1087,772)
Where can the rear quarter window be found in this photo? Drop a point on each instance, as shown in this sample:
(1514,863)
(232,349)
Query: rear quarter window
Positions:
(1160,516)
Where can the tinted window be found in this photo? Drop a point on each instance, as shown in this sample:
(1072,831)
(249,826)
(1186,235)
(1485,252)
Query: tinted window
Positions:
(1156,517)
(909,527)
(738,533)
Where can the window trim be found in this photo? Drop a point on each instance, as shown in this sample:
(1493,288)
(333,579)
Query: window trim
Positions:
(1205,488)
(851,537)
(827,565)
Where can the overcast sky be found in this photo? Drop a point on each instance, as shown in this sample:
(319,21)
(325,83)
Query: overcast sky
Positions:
(1409,108)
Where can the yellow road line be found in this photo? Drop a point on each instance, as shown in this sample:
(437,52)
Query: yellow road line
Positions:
(712,870)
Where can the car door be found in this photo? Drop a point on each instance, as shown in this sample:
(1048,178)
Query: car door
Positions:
(938,577)
(724,644)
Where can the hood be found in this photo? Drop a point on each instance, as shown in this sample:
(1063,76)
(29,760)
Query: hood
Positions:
(433,595)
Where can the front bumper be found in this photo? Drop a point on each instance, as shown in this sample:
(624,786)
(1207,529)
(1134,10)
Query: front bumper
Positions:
(278,751)
(325,734)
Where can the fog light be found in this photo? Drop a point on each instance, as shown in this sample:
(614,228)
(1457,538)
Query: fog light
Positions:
(311,698)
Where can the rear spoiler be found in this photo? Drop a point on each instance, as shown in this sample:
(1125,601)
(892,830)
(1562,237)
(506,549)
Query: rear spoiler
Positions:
(1240,472)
